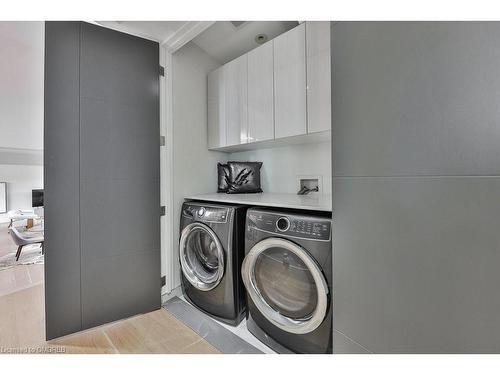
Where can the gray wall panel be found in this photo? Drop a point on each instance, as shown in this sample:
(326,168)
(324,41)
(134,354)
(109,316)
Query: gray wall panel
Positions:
(415,257)
(61,176)
(416,98)
(416,263)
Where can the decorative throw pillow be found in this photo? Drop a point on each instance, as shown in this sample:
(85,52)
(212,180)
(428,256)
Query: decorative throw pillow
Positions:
(223,178)
(244,177)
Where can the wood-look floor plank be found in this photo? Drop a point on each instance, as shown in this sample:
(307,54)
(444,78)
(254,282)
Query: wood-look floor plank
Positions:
(22,325)
(22,321)
(155,332)
(30,308)
(93,341)
(127,339)
(9,336)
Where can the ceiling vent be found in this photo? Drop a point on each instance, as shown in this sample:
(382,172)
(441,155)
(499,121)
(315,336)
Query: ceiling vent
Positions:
(238,24)
(261,38)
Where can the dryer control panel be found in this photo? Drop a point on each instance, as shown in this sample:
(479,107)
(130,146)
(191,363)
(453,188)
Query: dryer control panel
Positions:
(306,227)
(206,213)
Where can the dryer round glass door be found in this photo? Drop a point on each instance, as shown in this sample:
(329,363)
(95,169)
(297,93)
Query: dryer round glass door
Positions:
(201,256)
(286,284)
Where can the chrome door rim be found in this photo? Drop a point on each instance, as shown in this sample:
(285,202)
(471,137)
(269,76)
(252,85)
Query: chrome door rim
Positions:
(187,271)
(297,326)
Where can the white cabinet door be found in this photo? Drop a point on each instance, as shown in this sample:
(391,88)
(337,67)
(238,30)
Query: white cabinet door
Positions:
(318,76)
(260,93)
(290,83)
(216,109)
(236,93)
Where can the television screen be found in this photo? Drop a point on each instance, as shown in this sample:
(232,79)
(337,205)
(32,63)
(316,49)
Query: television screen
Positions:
(37,198)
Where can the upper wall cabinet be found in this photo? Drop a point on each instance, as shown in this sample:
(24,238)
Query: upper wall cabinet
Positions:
(236,98)
(216,109)
(260,93)
(318,76)
(290,83)
(277,93)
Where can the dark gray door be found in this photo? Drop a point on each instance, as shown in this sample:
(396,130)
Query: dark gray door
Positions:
(62,179)
(118,174)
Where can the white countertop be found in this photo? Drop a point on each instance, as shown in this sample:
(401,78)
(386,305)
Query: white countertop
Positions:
(282,200)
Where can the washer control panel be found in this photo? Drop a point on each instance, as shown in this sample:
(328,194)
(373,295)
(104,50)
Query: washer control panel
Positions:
(291,225)
(283,224)
(206,213)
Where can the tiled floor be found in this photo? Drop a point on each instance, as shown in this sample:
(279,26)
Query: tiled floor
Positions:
(225,340)
(242,331)
(208,330)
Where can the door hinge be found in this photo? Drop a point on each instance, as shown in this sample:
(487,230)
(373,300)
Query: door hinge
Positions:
(163,280)
(162,140)
(162,210)
(162,71)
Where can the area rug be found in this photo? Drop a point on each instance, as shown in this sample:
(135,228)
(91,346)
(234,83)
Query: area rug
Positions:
(31,254)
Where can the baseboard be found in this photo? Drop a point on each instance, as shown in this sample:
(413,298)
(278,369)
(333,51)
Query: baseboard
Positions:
(168,296)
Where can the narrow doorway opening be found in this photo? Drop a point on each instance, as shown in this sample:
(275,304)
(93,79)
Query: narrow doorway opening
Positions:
(22,306)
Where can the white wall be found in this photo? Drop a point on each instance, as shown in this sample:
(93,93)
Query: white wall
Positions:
(21,84)
(194,167)
(21,110)
(282,165)
(21,179)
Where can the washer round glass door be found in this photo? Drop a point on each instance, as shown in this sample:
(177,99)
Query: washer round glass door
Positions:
(202,256)
(286,285)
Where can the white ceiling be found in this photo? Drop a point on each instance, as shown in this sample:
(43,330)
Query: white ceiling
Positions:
(159,31)
(224,42)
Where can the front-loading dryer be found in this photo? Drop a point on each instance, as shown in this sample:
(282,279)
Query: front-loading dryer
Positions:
(211,250)
(287,272)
